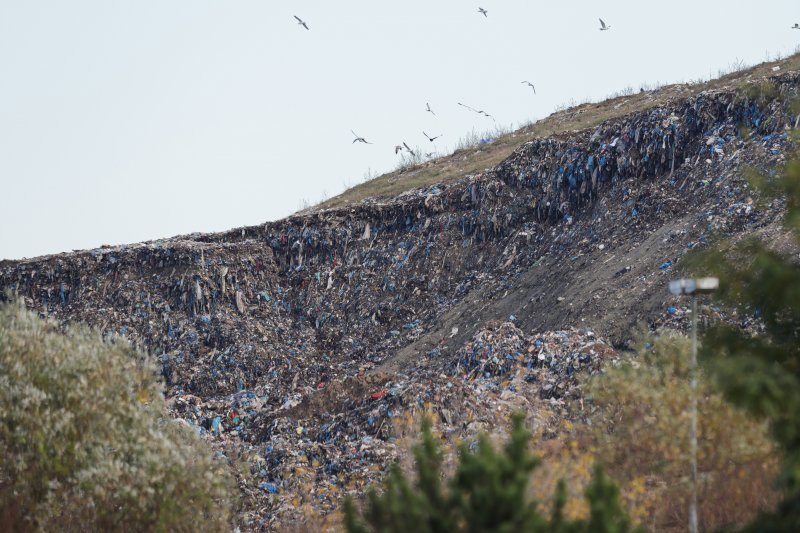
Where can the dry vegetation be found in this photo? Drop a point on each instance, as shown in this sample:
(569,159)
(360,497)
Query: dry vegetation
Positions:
(473,157)
(636,422)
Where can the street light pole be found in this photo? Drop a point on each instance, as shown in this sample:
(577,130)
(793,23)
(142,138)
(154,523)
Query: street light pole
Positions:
(693,287)
(693,423)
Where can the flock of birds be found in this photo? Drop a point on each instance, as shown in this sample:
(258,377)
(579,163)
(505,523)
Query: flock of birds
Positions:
(400,147)
(403,146)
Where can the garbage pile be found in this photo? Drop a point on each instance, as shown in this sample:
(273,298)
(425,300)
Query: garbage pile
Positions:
(342,437)
(295,346)
(502,353)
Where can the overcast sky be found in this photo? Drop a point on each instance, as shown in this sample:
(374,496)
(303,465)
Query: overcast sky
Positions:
(137,120)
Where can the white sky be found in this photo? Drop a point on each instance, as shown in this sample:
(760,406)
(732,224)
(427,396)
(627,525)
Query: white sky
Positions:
(128,121)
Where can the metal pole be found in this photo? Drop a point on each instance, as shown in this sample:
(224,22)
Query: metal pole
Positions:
(693,414)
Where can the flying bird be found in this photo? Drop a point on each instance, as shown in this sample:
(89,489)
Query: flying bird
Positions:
(796,26)
(359,139)
(301,22)
(531,86)
(430,154)
(400,147)
(429,110)
(478,111)
(603,26)
(483,12)
(431,139)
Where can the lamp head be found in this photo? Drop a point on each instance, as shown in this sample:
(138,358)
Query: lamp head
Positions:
(693,286)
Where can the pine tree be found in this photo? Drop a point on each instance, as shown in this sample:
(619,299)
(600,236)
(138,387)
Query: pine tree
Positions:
(606,515)
(488,492)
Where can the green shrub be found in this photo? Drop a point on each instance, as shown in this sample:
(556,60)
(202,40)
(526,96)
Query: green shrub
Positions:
(85,443)
(488,492)
(761,373)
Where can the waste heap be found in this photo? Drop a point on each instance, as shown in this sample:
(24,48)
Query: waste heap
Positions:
(342,438)
(295,346)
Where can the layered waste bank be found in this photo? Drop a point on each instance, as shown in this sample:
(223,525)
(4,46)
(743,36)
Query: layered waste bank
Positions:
(297,346)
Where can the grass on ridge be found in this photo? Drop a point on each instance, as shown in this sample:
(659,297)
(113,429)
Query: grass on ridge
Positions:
(479,157)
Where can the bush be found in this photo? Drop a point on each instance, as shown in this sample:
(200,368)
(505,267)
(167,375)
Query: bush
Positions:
(489,492)
(640,425)
(85,443)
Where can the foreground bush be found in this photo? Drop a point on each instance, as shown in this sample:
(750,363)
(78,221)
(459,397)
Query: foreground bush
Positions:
(489,492)
(84,442)
(640,426)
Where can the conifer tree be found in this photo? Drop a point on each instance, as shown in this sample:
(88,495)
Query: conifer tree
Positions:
(488,492)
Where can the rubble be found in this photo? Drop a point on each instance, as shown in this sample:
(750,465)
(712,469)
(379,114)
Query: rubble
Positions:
(294,347)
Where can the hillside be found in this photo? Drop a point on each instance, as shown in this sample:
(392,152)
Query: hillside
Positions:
(483,156)
(303,348)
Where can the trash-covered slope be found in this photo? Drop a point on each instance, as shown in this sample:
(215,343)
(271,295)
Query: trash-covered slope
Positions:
(475,159)
(297,346)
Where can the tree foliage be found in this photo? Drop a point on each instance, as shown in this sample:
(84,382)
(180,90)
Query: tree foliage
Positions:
(85,443)
(640,429)
(488,492)
(761,372)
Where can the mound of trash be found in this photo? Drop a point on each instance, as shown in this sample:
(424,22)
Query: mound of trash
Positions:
(341,437)
(300,348)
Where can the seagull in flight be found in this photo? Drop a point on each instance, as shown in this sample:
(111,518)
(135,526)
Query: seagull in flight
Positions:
(531,86)
(400,147)
(483,12)
(478,111)
(603,26)
(301,22)
(359,139)
(430,154)
(429,110)
(431,139)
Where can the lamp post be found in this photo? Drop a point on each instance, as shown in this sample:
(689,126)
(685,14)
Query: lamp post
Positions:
(693,287)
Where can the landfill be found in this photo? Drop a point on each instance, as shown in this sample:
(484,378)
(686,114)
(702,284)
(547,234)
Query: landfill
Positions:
(297,348)
(342,437)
